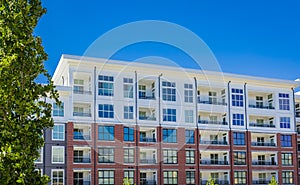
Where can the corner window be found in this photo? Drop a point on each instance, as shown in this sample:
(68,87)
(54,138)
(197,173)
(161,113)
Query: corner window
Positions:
(284,101)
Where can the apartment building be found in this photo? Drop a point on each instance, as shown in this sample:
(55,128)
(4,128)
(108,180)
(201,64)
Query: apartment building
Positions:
(162,125)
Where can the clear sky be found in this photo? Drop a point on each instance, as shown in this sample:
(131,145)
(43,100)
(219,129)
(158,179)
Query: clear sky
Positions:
(251,37)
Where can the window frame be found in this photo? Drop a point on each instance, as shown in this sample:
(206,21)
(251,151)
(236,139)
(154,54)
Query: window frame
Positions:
(128,158)
(59,132)
(169,115)
(237,97)
(188,93)
(169,157)
(110,179)
(128,88)
(128,134)
(237,140)
(107,155)
(168,177)
(168,91)
(284,101)
(105,85)
(169,135)
(110,136)
(189,136)
(52,177)
(58,110)
(128,112)
(63,154)
(189,156)
(238,119)
(106,111)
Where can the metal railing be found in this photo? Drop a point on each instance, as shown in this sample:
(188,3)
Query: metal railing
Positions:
(147,97)
(213,122)
(261,125)
(148,161)
(81,136)
(263,163)
(262,144)
(82,114)
(213,142)
(150,118)
(213,162)
(147,139)
(81,159)
(147,182)
(211,102)
(261,107)
(82,92)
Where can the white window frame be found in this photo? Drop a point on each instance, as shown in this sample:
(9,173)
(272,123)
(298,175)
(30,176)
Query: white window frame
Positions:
(189,116)
(41,151)
(58,147)
(166,88)
(58,109)
(57,170)
(188,93)
(128,92)
(64,129)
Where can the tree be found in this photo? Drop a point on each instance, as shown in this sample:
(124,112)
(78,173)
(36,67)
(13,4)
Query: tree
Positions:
(126,181)
(23,112)
(273,181)
(211,181)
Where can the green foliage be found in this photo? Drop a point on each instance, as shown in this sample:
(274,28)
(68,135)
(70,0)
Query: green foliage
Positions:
(126,181)
(273,181)
(23,112)
(211,181)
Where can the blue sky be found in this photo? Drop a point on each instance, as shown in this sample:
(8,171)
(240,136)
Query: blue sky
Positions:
(255,37)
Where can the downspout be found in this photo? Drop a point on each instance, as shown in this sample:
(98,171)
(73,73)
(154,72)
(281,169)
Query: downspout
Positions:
(295,128)
(230,131)
(136,129)
(197,132)
(247,131)
(95,127)
(160,135)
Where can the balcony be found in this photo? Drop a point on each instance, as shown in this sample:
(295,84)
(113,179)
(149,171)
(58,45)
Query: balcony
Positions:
(213,142)
(81,136)
(262,144)
(213,162)
(147,139)
(82,155)
(261,106)
(211,102)
(146,89)
(147,114)
(79,91)
(81,132)
(262,182)
(261,125)
(212,122)
(82,110)
(82,159)
(148,161)
(263,163)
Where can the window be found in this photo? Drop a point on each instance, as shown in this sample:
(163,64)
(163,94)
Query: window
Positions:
(170,177)
(58,132)
(169,91)
(287,177)
(214,158)
(238,119)
(188,93)
(239,177)
(285,122)
(238,138)
(106,133)
(128,87)
(259,101)
(212,97)
(261,159)
(40,159)
(190,177)
(128,155)
(189,116)
(189,136)
(106,155)
(169,115)
(130,175)
(57,177)
(58,110)
(284,101)
(106,85)
(286,140)
(169,135)
(240,158)
(237,97)
(214,176)
(287,159)
(170,156)
(58,154)
(128,134)
(78,86)
(190,156)
(106,177)
(78,178)
(128,112)
(106,111)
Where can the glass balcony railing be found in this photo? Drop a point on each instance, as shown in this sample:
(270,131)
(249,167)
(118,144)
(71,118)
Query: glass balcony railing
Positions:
(81,159)
(213,162)
(263,163)
(150,118)
(147,139)
(81,136)
(261,106)
(82,114)
(147,161)
(213,142)
(261,125)
(147,182)
(262,144)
